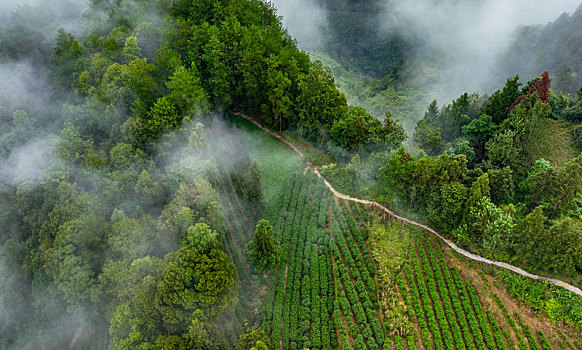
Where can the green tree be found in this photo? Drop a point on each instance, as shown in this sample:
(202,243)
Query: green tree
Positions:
(186,92)
(541,186)
(251,337)
(320,103)
(492,226)
(170,342)
(137,76)
(397,175)
(200,276)
(463,147)
(479,189)
(501,185)
(215,74)
(530,233)
(503,151)
(562,249)
(428,138)
(432,114)
(570,183)
(131,238)
(453,117)
(445,207)
(392,133)
(354,129)
(479,131)
(66,53)
(131,49)
(253,182)
(278,87)
(190,204)
(260,346)
(75,248)
(201,237)
(263,250)
(71,145)
(163,117)
(498,104)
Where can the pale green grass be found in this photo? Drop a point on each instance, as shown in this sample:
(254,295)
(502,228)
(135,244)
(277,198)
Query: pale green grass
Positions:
(278,162)
(553,142)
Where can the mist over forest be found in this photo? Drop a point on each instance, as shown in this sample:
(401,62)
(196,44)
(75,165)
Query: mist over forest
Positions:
(465,42)
(142,208)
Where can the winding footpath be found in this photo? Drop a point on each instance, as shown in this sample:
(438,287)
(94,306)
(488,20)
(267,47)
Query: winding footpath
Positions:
(459,250)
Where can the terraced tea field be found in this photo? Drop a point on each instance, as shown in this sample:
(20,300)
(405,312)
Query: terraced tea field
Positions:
(325,292)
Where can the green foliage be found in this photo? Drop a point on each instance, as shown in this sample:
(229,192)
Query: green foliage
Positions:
(131,238)
(479,131)
(445,207)
(413,181)
(498,104)
(131,49)
(554,190)
(392,133)
(253,182)
(501,185)
(260,346)
(162,117)
(252,338)
(389,247)
(115,231)
(66,52)
(486,222)
(320,103)
(502,151)
(262,249)
(124,230)
(461,147)
(557,303)
(428,138)
(438,127)
(186,92)
(278,86)
(351,131)
(137,77)
(357,129)
(200,276)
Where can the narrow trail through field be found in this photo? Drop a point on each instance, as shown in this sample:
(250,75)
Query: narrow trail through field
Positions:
(459,250)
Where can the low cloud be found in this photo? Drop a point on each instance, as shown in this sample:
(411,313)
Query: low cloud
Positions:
(466,37)
(28,162)
(305,20)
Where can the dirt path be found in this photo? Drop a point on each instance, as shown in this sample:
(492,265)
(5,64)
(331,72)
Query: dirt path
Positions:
(459,250)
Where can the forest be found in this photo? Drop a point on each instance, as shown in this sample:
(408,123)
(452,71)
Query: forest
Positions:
(143,205)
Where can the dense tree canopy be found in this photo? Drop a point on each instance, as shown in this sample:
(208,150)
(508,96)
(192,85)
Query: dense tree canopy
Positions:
(509,203)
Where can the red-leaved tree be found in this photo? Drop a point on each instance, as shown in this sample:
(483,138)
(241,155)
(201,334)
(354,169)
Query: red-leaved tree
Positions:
(541,86)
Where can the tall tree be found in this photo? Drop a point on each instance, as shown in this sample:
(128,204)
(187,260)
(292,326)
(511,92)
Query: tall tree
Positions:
(253,182)
(278,95)
(263,250)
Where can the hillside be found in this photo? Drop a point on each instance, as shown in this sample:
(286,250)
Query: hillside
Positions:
(533,47)
(354,36)
(468,308)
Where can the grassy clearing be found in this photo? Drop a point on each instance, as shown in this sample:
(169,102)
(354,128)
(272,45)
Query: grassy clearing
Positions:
(554,142)
(277,160)
(316,156)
